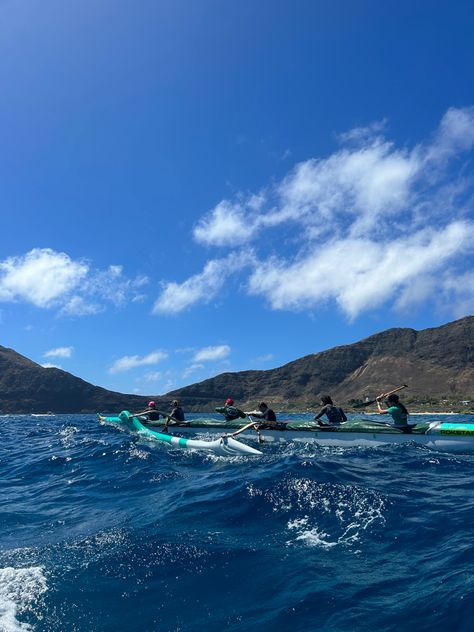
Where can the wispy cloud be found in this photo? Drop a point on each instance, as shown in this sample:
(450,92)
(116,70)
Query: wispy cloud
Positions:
(48,365)
(52,280)
(202,287)
(152,376)
(352,191)
(367,226)
(169,385)
(197,366)
(457,292)
(207,354)
(80,306)
(59,352)
(132,362)
(264,358)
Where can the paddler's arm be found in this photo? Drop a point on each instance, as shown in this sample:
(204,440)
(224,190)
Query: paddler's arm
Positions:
(380,409)
(320,414)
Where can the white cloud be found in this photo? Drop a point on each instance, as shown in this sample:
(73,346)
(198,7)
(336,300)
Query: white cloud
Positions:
(168,386)
(48,365)
(79,306)
(457,291)
(357,188)
(40,277)
(225,224)
(197,366)
(59,352)
(152,376)
(372,224)
(264,358)
(455,134)
(49,279)
(364,134)
(202,287)
(218,352)
(358,274)
(131,362)
(112,286)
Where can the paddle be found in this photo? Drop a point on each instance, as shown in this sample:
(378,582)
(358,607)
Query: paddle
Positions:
(143,418)
(382,396)
(173,419)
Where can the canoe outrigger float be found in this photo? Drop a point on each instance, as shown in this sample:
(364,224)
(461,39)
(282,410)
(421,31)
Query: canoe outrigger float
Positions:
(437,435)
(225,445)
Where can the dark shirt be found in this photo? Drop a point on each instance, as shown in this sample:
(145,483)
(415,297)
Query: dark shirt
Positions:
(177,413)
(334,414)
(267,414)
(153,415)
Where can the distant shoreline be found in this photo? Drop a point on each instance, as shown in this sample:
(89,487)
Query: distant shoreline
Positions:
(426,412)
(450,413)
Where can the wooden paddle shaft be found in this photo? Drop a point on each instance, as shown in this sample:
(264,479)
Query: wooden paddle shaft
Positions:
(395,390)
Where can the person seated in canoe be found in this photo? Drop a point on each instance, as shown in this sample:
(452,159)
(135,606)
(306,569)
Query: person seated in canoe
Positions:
(177,412)
(396,410)
(230,411)
(150,412)
(335,414)
(263,412)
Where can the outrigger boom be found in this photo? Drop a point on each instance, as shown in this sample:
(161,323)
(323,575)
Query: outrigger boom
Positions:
(224,445)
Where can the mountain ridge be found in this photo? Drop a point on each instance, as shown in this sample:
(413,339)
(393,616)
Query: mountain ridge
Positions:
(437,363)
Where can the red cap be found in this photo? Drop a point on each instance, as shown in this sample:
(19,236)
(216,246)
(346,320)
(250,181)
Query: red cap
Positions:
(229,401)
(151,404)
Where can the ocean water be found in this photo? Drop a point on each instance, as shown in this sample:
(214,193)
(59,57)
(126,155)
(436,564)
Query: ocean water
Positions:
(101,529)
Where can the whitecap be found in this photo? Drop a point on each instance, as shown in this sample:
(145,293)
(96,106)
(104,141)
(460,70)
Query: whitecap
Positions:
(310,536)
(21,592)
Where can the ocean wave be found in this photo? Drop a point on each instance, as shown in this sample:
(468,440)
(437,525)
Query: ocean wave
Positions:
(21,596)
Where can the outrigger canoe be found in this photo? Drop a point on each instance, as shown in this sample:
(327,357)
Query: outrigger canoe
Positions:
(437,435)
(225,445)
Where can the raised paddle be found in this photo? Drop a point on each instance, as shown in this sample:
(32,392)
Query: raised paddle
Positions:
(381,396)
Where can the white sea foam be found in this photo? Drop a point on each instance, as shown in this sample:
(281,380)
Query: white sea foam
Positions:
(137,453)
(310,536)
(21,592)
(317,510)
(349,510)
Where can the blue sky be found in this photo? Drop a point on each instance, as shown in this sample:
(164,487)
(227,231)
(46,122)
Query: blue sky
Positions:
(191,187)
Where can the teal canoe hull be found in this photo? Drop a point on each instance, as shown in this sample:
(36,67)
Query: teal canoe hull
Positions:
(224,445)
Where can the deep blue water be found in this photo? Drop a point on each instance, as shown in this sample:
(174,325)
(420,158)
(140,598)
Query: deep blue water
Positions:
(103,530)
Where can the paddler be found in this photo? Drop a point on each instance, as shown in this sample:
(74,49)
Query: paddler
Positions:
(396,410)
(335,414)
(177,412)
(150,412)
(263,412)
(230,411)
